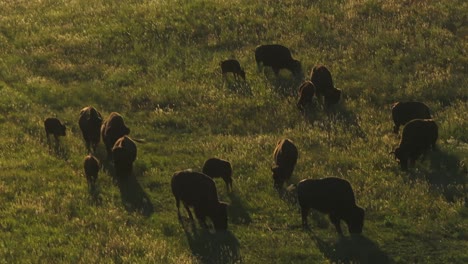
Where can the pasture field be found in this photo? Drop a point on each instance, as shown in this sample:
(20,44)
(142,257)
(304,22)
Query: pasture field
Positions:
(157,63)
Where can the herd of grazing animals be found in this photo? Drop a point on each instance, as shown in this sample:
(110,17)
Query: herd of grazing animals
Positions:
(332,196)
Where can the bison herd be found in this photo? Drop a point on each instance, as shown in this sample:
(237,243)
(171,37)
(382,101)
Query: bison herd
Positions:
(197,190)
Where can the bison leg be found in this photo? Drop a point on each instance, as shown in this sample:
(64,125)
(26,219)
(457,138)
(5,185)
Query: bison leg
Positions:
(336,221)
(188,211)
(396,128)
(304,212)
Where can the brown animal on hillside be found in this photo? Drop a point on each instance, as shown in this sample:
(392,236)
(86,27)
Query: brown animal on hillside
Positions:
(219,168)
(332,196)
(232,66)
(403,112)
(124,153)
(91,168)
(199,191)
(90,125)
(306,94)
(277,57)
(285,155)
(112,129)
(53,126)
(321,77)
(419,136)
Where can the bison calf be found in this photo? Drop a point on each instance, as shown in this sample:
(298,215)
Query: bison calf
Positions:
(232,66)
(285,155)
(419,135)
(403,112)
(197,190)
(306,95)
(53,126)
(90,124)
(91,169)
(219,168)
(332,196)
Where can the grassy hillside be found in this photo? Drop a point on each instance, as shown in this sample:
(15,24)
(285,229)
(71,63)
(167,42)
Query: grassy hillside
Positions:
(157,63)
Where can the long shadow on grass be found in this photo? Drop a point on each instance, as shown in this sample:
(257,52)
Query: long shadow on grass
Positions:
(219,247)
(284,85)
(354,249)
(134,198)
(447,174)
(340,114)
(237,211)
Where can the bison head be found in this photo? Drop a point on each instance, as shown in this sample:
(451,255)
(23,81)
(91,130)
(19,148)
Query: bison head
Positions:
(356,221)
(220,217)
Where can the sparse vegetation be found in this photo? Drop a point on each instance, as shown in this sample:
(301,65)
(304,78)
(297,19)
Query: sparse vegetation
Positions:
(157,63)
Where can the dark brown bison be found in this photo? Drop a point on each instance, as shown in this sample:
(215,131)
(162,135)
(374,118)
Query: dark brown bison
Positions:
(419,136)
(403,112)
(285,155)
(197,190)
(91,168)
(124,153)
(53,126)
(90,124)
(232,66)
(321,77)
(277,57)
(332,96)
(219,168)
(306,95)
(112,129)
(332,196)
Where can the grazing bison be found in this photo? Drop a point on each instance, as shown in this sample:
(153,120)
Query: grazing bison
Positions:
(306,94)
(197,190)
(332,96)
(332,196)
(419,135)
(285,155)
(322,79)
(53,126)
(91,168)
(112,129)
(403,112)
(232,66)
(90,124)
(219,168)
(277,57)
(124,153)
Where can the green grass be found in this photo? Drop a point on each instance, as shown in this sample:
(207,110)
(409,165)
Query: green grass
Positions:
(157,63)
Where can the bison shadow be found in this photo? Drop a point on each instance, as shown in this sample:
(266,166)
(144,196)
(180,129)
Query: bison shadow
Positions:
(218,247)
(446,173)
(340,114)
(134,198)
(237,211)
(59,150)
(283,84)
(94,191)
(354,249)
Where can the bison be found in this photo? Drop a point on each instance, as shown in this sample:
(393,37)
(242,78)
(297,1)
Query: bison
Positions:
(232,66)
(332,196)
(306,95)
(403,112)
(197,190)
(285,155)
(90,124)
(91,169)
(219,168)
(277,57)
(321,77)
(112,129)
(53,126)
(124,153)
(419,135)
